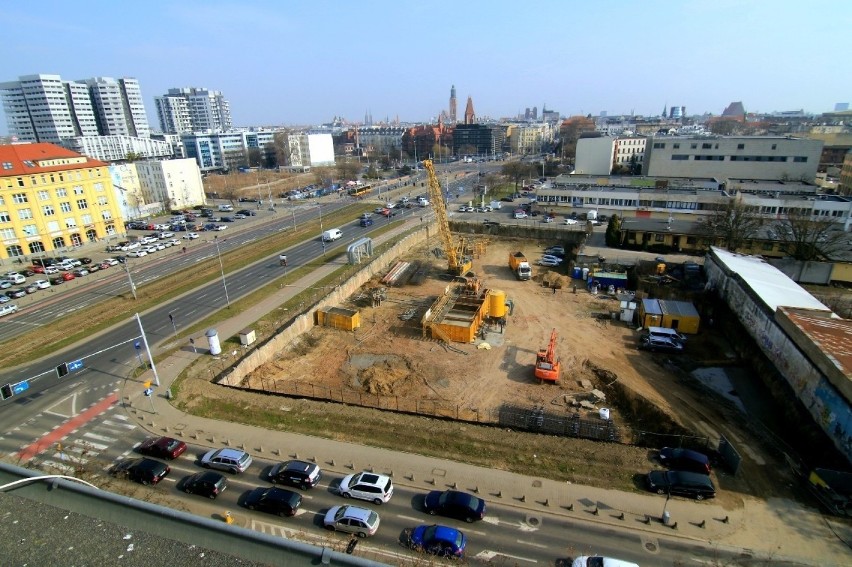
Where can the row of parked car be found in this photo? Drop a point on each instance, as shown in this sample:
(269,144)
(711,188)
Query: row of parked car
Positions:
(367,485)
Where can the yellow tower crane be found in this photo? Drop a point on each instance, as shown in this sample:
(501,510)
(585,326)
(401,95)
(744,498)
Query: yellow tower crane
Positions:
(458,264)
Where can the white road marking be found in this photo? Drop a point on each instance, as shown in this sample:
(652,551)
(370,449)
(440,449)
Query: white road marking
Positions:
(50,465)
(128,426)
(89,445)
(96,437)
(525,542)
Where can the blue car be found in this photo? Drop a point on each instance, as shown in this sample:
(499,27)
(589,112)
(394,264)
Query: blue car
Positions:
(438,540)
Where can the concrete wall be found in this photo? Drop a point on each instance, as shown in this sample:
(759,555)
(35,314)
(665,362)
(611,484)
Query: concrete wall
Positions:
(804,272)
(829,409)
(305,322)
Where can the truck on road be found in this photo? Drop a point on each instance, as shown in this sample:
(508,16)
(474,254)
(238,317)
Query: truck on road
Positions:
(518,263)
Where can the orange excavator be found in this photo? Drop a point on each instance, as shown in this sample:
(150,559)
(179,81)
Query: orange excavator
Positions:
(547,366)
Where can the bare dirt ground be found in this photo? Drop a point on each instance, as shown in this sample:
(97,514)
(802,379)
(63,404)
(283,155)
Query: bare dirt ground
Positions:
(388,356)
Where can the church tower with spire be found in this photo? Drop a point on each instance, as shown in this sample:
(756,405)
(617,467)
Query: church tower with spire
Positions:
(453,105)
(469,116)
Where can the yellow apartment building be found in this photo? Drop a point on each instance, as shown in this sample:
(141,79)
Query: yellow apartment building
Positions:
(52,199)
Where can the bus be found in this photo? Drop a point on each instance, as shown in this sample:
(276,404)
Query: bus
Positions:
(360,190)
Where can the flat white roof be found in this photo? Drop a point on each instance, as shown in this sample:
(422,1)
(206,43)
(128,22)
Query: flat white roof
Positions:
(768,282)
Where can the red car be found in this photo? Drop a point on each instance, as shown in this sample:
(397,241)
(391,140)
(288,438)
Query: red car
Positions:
(37,269)
(67,276)
(162,447)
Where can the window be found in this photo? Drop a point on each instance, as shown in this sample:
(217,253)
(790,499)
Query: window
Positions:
(25,214)
(78,189)
(800,159)
(71,222)
(774,146)
(61,192)
(706,146)
(659,145)
(20,198)
(693,146)
(48,210)
(99,187)
(659,237)
(14,251)
(102,200)
(4,216)
(82,204)
(52,226)
(7,165)
(740,146)
(65,207)
(691,240)
(87,219)
(30,230)
(676,146)
(43,195)
(680,156)
(768,246)
(36,247)
(7,233)
(58,242)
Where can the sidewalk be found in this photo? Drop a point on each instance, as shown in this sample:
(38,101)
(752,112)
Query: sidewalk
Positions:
(776,529)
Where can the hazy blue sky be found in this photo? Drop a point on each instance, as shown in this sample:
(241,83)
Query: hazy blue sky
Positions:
(296,62)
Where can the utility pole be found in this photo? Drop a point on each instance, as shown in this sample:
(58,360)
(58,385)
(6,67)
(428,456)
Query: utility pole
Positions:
(148,350)
(132,285)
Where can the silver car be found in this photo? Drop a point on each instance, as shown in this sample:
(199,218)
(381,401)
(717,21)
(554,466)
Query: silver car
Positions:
(230,460)
(352,519)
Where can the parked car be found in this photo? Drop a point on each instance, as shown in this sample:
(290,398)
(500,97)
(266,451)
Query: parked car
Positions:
(166,235)
(552,257)
(50,270)
(239,216)
(190,236)
(41,284)
(684,460)
(455,504)
(144,471)
(230,460)
(274,500)
(57,280)
(91,268)
(68,276)
(303,474)
(438,540)
(352,519)
(162,447)
(30,288)
(377,488)
(16,293)
(226,219)
(137,253)
(79,273)
(5,284)
(655,344)
(683,483)
(247,213)
(548,263)
(221,227)
(208,483)
(4,298)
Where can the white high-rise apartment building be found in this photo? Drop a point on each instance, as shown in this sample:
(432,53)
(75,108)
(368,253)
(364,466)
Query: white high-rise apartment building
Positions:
(193,109)
(44,108)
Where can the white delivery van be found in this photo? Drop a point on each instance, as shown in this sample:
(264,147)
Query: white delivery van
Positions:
(226,208)
(331,235)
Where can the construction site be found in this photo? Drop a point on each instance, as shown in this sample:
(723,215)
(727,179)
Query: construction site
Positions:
(450,329)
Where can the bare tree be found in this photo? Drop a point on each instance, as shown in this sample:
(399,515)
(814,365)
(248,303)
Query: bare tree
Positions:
(804,238)
(255,157)
(517,170)
(348,169)
(322,175)
(280,141)
(732,224)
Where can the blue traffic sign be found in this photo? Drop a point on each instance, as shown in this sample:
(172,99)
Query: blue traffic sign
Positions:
(137,345)
(20,387)
(75,365)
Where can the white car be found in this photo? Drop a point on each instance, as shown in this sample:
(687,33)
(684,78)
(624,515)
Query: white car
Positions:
(50,270)
(374,487)
(190,236)
(551,258)
(160,245)
(221,227)
(137,253)
(148,240)
(390,205)
(166,235)
(547,219)
(173,242)
(111,261)
(352,519)
(41,284)
(8,309)
(571,221)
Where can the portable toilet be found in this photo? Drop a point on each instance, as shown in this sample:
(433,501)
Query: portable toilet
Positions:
(213,340)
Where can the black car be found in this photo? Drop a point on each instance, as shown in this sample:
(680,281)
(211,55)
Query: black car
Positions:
(57,280)
(226,219)
(209,484)
(27,273)
(684,460)
(296,473)
(455,504)
(16,293)
(274,500)
(85,260)
(683,483)
(247,200)
(143,471)
(247,213)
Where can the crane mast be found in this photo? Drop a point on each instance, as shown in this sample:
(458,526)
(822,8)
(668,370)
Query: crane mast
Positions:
(457,264)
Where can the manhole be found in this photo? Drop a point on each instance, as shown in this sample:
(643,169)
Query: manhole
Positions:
(536,484)
(652,547)
(533,521)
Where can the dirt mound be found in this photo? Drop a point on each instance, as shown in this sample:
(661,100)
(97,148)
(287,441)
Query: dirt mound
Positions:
(387,378)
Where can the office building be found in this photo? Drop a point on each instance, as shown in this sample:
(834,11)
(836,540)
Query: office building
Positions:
(52,199)
(743,157)
(224,150)
(170,185)
(44,108)
(193,109)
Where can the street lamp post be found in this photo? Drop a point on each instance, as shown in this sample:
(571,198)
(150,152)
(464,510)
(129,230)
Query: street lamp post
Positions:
(222,268)
(148,350)
(132,285)
(322,236)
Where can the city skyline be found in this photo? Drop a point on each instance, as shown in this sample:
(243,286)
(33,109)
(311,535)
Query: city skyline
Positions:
(316,61)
